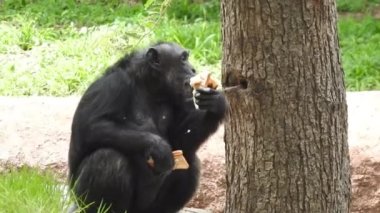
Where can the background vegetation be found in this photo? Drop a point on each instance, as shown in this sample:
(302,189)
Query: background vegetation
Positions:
(28,190)
(54,47)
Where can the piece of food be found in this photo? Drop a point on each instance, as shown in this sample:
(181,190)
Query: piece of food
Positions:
(150,162)
(204,80)
(179,160)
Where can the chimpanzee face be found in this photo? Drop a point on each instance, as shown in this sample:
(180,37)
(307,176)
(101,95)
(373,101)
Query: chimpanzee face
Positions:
(170,61)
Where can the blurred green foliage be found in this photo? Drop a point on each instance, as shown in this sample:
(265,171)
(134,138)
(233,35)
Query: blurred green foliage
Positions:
(57,47)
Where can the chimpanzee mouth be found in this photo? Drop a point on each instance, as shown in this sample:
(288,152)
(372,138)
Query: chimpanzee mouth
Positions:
(188,90)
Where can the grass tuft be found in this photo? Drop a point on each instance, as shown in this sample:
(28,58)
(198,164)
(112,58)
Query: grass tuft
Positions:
(28,190)
(360,47)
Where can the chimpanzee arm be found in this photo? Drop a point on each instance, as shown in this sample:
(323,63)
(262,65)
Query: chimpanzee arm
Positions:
(198,124)
(110,134)
(98,123)
(194,130)
(98,119)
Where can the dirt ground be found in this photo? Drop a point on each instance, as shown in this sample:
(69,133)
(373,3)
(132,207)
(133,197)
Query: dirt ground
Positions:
(36,130)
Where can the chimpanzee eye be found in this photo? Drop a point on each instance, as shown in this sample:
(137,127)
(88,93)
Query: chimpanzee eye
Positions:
(184,56)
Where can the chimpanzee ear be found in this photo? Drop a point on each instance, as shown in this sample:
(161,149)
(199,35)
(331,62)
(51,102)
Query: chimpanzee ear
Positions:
(152,56)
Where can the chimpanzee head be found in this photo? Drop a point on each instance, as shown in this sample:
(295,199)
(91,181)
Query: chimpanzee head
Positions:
(169,65)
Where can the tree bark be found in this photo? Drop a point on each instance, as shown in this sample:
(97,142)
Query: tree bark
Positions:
(286,136)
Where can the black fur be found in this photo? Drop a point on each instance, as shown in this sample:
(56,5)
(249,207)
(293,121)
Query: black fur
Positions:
(142,106)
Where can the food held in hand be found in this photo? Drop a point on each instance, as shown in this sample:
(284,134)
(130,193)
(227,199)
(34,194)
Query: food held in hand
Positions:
(204,80)
(179,160)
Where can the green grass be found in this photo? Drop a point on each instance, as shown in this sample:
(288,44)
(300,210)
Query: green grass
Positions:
(53,47)
(356,5)
(56,13)
(31,190)
(360,47)
(57,48)
(28,190)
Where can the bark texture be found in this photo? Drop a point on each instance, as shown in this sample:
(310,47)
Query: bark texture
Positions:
(286,137)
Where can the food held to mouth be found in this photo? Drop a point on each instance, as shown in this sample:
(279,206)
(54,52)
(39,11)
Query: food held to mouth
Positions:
(204,80)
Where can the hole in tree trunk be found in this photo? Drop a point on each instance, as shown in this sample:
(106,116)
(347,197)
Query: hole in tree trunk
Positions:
(243,83)
(232,81)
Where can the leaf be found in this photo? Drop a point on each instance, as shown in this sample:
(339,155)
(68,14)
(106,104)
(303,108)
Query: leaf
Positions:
(148,3)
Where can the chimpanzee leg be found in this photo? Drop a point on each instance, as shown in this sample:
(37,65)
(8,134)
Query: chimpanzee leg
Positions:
(105,177)
(177,190)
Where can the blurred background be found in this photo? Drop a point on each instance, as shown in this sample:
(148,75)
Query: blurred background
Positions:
(57,47)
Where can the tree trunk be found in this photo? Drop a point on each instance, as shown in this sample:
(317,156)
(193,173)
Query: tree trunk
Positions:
(286,136)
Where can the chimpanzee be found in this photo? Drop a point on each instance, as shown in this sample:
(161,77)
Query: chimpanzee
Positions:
(141,108)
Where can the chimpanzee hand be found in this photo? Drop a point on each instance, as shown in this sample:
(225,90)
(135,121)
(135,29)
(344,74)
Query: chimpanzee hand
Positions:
(211,100)
(159,155)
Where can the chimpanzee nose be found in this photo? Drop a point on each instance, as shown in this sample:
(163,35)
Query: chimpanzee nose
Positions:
(187,83)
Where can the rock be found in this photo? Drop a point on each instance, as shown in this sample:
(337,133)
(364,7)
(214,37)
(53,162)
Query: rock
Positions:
(35,131)
(193,210)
